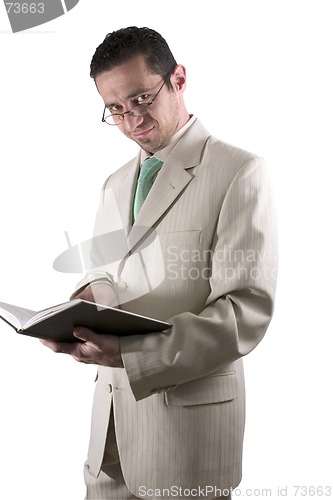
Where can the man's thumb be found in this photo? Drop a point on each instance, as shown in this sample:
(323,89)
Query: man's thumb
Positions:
(83,333)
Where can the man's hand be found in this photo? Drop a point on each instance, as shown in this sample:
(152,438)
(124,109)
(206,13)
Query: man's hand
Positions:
(101,293)
(98,349)
(94,348)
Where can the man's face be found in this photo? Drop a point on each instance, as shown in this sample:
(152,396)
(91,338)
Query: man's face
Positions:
(130,83)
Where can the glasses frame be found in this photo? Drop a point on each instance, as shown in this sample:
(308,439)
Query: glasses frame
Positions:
(122,115)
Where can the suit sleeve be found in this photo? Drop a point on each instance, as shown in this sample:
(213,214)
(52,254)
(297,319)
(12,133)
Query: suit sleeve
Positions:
(240,304)
(96,253)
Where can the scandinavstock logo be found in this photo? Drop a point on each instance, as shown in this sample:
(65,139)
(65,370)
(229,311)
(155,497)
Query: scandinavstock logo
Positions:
(135,260)
(25,15)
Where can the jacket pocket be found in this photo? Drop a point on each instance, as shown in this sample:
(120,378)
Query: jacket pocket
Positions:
(216,388)
(182,238)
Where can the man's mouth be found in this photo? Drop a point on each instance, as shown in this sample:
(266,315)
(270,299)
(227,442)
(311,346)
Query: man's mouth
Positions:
(142,133)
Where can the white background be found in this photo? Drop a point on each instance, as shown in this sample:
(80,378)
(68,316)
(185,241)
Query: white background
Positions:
(259,77)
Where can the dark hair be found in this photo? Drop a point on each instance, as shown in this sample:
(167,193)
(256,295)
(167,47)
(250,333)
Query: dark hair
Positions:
(123,44)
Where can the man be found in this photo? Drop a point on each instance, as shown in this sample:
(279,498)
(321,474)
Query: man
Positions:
(168,414)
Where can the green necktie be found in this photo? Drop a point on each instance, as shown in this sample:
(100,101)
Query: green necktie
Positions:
(148,170)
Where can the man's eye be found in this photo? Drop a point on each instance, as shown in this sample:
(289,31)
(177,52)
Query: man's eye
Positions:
(115,109)
(142,98)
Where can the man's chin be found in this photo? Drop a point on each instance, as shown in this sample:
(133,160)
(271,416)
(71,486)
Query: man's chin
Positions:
(146,144)
(149,144)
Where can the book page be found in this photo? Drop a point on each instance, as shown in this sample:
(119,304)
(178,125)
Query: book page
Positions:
(15,315)
(50,311)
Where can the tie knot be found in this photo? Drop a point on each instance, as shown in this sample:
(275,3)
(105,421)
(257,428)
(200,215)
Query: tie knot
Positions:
(149,168)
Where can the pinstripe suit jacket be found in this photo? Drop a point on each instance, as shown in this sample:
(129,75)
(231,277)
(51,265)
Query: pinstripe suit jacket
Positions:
(179,402)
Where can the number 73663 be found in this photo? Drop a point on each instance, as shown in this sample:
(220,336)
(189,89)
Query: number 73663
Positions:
(25,8)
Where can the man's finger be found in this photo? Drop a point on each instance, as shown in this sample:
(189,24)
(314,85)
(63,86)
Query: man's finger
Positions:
(56,346)
(82,333)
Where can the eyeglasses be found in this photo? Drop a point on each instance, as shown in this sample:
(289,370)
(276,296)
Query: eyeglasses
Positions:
(137,110)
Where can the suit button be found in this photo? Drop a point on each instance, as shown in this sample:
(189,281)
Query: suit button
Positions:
(122,286)
(108,388)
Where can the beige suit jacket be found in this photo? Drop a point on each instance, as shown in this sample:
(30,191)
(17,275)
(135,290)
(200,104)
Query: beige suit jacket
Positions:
(211,272)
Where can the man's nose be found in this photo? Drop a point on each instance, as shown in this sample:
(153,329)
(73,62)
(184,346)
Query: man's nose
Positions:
(133,121)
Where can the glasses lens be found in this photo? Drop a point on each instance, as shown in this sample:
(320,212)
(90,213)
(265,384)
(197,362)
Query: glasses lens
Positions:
(140,110)
(113,119)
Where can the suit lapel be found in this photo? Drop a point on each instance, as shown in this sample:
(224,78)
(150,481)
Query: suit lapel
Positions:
(125,194)
(170,184)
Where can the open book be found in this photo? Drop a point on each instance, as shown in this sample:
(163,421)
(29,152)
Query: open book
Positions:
(57,322)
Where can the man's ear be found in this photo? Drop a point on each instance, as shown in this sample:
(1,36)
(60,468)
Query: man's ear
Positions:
(178,78)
